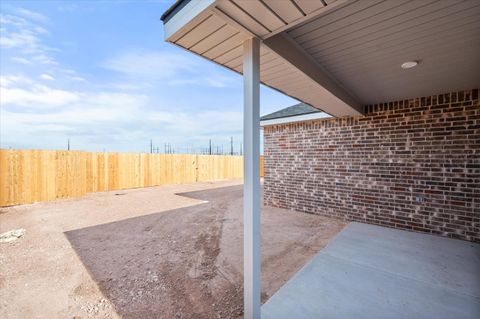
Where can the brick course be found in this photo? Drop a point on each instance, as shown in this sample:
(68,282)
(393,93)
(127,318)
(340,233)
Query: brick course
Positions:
(412,164)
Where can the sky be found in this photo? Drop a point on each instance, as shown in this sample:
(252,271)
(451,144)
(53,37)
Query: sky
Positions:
(98,73)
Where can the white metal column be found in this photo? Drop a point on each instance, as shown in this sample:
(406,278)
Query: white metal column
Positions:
(251,186)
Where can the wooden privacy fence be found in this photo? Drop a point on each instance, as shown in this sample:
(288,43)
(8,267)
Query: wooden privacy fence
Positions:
(28,176)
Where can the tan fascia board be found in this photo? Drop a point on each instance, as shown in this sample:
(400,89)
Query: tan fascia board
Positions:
(191,14)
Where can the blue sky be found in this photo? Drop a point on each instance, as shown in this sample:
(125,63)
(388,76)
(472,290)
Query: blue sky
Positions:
(99,73)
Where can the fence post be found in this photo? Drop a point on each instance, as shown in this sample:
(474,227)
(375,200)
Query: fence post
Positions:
(196,167)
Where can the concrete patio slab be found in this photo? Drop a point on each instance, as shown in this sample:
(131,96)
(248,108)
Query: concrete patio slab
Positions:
(375,272)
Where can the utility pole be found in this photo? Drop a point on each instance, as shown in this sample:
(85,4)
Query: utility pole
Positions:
(210,147)
(68,144)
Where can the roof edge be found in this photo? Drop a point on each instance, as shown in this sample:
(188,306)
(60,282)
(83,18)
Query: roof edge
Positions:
(177,6)
(293,110)
(263,118)
(295,119)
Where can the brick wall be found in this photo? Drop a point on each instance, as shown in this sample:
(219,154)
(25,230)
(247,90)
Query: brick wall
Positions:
(411,164)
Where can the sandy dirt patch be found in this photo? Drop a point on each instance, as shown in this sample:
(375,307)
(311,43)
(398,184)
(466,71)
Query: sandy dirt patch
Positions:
(161,252)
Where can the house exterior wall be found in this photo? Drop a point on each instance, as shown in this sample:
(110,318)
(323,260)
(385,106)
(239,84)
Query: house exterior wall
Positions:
(412,164)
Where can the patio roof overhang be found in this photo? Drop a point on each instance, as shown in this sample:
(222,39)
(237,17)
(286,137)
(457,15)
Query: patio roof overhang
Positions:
(336,55)
(339,55)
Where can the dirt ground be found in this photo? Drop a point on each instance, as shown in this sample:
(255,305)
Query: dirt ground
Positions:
(161,252)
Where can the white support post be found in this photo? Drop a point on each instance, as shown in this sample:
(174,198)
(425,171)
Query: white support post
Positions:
(251,186)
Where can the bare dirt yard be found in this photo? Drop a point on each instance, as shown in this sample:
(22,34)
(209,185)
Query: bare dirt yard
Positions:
(161,252)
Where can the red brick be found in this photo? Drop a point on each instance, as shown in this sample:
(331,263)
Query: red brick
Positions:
(373,168)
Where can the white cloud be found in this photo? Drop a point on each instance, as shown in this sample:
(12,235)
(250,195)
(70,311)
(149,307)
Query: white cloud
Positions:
(160,65)
(43,110)
(39,96)
(47,77)
(68,7)
(20,60)
(30,109)
(216,81)
(32,15)
(123,86)
(24,39)
(28,93)
(171,68)
(21,91)
(7,19)
(197,123)
(23,33)
(44,59)
(9,80)
(96,120)
(78,79)
(40,30)
(69,74)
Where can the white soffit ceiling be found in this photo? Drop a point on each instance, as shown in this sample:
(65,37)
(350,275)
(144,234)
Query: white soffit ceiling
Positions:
(338,55)
(364,43)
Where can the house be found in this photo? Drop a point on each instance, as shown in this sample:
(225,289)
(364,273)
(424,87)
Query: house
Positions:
(401,80)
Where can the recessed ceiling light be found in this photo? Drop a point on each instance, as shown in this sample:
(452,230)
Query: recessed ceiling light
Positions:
(409,64)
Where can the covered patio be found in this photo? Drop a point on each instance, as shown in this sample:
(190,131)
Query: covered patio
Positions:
(347,58)
(369,271)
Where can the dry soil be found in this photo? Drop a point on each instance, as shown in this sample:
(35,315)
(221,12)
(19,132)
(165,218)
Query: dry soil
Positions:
(161,252)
